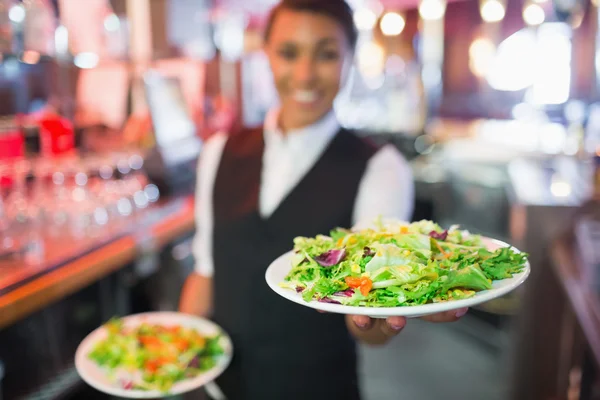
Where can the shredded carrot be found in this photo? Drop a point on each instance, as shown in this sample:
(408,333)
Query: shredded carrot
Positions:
(446,255)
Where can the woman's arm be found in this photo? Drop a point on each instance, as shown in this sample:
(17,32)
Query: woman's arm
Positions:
(196,296)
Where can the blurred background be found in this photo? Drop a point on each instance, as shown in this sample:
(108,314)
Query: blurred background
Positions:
(105,105)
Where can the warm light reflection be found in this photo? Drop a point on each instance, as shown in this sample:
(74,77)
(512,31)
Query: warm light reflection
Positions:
(481,56)
(577,20)
(392,24)
(371,60)
(492,11)
(431,10)
(533,14)
(30,57)
(365,19)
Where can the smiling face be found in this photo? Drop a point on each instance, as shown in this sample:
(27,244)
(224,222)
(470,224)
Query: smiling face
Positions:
(308,54)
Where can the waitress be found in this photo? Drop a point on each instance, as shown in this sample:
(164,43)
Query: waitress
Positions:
(300,174)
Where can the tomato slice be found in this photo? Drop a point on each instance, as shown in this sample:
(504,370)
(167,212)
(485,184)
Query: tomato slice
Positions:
(353,282)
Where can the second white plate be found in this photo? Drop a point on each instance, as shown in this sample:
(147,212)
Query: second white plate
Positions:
(97,377)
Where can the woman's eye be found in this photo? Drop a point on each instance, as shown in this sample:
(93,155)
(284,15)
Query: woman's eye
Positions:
(288,54)
(328,55)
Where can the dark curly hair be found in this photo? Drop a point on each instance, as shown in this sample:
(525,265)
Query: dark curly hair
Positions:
(337,10)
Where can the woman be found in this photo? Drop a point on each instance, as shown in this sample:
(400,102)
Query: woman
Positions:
(300,174)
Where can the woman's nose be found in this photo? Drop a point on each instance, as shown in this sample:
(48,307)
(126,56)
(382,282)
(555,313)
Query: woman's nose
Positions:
(304,71)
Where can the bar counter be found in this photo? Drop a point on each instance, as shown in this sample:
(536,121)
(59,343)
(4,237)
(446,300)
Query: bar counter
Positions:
(71,266)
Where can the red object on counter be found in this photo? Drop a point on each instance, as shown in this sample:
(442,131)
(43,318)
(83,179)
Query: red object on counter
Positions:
(57,135)
(11,139)
(11,144)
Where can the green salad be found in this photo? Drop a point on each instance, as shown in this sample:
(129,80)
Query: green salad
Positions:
(397,264)
(154,357)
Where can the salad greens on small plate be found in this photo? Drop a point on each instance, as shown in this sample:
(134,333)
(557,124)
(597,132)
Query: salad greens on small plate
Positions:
(154,354)
(394,268)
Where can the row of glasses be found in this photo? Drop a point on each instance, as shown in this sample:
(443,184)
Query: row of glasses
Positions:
(20,217)
(81,197)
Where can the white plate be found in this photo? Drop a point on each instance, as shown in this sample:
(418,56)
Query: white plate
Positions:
(96,377)
(280,267)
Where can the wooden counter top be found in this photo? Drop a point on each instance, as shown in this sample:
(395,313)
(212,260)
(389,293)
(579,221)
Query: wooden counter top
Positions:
(584,302)
(91,266)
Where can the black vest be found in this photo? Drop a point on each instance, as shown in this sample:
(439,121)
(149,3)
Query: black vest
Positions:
(282,350)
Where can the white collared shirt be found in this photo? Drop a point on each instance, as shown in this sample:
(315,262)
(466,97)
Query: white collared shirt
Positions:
(386,188)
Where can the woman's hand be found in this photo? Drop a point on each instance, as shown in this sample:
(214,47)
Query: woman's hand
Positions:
(374,331)
(379,331)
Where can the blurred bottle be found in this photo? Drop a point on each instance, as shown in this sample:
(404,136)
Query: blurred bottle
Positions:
(6,26)
(39,26)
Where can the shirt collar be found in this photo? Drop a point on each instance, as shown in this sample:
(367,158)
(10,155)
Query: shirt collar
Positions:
(322,130)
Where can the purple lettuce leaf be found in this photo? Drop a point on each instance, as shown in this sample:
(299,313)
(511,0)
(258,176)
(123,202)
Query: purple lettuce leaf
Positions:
(331,257)
(439,235)
(127,384)
(194,363)
(345,293)
(299,289)
(328,300)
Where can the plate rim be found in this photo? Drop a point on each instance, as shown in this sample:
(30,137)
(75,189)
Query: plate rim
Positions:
(81,360)
(402,311)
